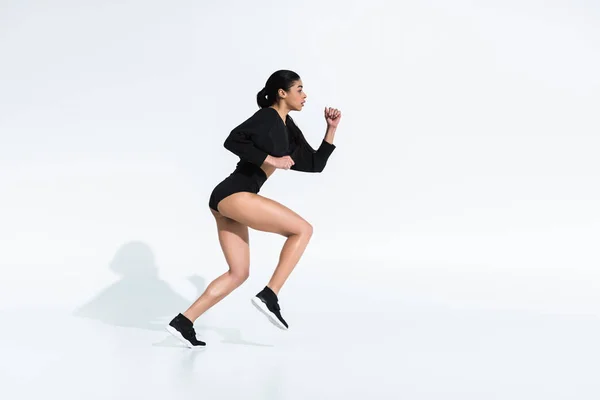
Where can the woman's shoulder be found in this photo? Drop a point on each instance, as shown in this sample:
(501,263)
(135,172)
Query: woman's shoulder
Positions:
(267,113)
(267,116)
(261,119)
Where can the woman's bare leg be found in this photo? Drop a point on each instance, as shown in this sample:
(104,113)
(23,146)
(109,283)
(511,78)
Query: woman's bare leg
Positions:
(234,240)
(263,214)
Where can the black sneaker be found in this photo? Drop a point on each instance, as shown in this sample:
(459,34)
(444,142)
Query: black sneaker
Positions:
(183,329)
(266,302)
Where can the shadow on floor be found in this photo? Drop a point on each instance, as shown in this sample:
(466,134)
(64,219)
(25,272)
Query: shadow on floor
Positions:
(140,299)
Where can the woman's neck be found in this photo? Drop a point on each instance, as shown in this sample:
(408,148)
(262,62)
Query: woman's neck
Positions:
(283,112)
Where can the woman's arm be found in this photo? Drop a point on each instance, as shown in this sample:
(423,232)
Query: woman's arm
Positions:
(306,159)
(243,138)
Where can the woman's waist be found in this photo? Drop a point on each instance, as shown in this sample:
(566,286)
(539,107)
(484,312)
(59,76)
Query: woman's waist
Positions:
(252,170)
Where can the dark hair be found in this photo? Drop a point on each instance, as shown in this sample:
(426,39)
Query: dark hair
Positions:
(282,79)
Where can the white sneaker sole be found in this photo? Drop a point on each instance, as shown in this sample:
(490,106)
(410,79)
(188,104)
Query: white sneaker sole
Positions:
(262,307)
(176,333)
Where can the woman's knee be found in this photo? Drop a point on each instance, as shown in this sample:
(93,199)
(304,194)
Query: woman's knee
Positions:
(239,276)
(304,229)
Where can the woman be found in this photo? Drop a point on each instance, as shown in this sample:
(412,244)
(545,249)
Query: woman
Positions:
(266,141)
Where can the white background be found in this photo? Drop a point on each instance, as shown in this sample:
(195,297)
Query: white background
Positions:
(465,175)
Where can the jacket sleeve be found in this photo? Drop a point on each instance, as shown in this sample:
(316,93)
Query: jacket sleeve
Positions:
(306,159)
(242,140)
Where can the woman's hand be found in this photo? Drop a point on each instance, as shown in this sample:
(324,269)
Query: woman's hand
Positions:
(332,116)
(284,162)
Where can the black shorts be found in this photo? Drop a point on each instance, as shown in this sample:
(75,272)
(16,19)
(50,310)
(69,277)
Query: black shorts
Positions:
(246,178)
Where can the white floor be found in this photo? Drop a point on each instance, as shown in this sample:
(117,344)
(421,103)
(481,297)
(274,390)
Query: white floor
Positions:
(386,349)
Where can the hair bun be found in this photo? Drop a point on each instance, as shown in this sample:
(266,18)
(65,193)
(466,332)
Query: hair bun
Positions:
(262,98)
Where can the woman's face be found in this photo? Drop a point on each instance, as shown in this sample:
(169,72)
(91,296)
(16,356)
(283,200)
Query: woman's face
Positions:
(295,97)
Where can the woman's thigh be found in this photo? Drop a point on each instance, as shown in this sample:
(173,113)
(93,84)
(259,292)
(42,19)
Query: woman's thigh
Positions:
(263,214)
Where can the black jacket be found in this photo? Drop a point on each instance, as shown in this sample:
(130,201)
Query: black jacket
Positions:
(265,133)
